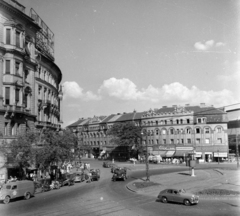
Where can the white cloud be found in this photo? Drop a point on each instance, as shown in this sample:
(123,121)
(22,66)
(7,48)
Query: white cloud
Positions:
(72,89)
(204,46)
(219,44)
(125,89)
(119,88)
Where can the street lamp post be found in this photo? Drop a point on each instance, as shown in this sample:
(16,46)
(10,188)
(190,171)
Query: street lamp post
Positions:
(146,158)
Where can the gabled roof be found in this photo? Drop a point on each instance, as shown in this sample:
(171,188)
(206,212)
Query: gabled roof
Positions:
(75,124)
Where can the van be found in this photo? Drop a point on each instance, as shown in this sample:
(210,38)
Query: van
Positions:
(16,189)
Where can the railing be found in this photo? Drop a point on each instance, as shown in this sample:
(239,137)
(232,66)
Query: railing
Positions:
(15,4)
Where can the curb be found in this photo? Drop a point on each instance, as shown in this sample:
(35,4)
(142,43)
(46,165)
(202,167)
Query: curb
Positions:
(130,188)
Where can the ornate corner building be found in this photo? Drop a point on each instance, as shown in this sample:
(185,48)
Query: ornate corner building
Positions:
(30,90)
(172,132)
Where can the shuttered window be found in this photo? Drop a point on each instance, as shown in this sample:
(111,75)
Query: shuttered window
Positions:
(8,36)
(7,95)
(7,70)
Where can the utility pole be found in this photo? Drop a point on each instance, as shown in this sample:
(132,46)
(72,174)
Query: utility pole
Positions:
(146,157)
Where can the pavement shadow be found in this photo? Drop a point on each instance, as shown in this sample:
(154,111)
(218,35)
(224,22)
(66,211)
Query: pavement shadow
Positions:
(137,178)
(187,174)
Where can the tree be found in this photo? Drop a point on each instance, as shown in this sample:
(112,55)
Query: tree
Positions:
(126,134)
(21,151)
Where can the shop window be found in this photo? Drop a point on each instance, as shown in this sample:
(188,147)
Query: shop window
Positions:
(207,140)
(7,95)
(189,141)
(7,67)
(8,36)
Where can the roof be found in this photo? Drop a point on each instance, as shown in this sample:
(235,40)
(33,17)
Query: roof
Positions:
(76,123)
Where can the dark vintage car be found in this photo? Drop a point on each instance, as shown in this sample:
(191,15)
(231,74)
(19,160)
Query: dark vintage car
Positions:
(42,185)
(179,196)
(95,174)
(106,164)
(119,173)
(67,179)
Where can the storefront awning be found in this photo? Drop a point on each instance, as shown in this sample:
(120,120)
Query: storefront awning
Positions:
(181,153)
(169,153)
(162,153)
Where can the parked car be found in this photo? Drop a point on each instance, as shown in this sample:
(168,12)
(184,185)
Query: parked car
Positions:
(106,164)
(17,189)
(67,179)
(113,167)
(95,174)
(80,176)
(119,173)
(176,195)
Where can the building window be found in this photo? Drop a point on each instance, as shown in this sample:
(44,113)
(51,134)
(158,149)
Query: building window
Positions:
(188,131)
(18,39)
(207,130)
(164,131)
(177,121)
(156,122)
(188,121)
(171,122)
(181,121)
(171,131)
(8,36)
(207,140)
(189,141)
(12,130)
(219,130)
(171,141)
(182,141)
(157,132)
(7,95)
(156,141)
(17,68)
(177,141)
(7,67)
(165,122)
(198,130)
(164,141)
(198,141)
(219,140)
(17,95)
(5,128)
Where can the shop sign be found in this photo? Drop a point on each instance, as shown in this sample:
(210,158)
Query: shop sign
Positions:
(167,148)
(220,154)
(184,148)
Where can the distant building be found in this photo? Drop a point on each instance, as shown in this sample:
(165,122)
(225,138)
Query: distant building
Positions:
(170,131)
(29,78)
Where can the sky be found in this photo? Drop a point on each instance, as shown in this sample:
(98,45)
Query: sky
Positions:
(123,55)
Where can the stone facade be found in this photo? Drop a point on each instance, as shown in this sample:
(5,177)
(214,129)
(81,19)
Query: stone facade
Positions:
(169,131)
(29,78)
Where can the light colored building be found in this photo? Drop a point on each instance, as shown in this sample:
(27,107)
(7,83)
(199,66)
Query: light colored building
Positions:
(172,132)
(29,78)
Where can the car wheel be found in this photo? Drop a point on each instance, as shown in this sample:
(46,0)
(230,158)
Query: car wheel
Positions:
(186,202)
(6,199)
(164,199)
(27,196)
